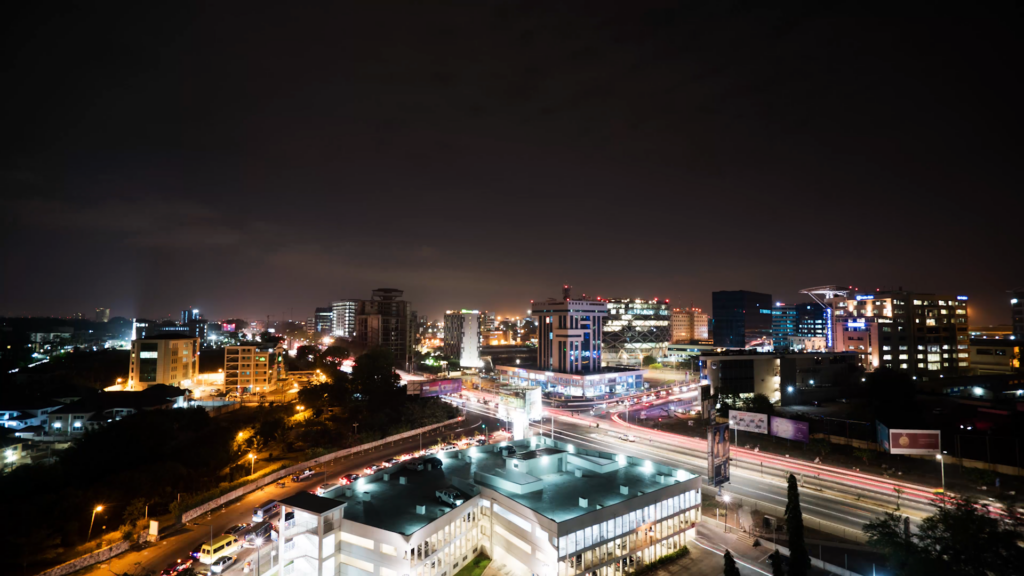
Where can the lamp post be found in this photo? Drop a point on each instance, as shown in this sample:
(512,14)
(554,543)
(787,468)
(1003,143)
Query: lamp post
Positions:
(210,526)
(726,498)
(259,542)
(942,466)
(252,467)
(94,511)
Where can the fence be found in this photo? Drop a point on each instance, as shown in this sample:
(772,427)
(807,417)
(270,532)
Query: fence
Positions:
(88,560)
(271,478)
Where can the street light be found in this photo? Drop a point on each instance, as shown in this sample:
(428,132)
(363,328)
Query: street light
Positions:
(726,498)
(252,468)
(94,511)
(259,542)
(942,466)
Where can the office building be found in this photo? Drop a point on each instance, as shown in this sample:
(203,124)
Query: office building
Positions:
(740,318)
(462,337)
(323,320)
(252,369)
(746,372)
(569,352)
(487,321)
(1017,314)
(783,325)
(924,335)
(310,325)
(192,323)
(635,328)
(547,509)
(689,325)
(386,321)
(995,356)
(165,358)
(103,314)
(345,317)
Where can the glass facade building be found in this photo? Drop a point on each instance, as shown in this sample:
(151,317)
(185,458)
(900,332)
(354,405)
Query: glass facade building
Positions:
(636,328)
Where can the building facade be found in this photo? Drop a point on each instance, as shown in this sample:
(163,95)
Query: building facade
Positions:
(740,318)
(386,321)
(924,335)
(745,373)
(783,325)
(252,369)
(548,509)
(103,314)
(689,325)
(171,359)
(991,356)
(635,328)
(569,334)
(462,337)
(345,317)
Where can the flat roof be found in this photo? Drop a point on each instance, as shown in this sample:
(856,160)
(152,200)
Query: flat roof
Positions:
(602,370)
(311,503)
(392,505)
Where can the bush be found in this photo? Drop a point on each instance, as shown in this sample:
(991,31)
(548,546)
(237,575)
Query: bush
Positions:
(677,555)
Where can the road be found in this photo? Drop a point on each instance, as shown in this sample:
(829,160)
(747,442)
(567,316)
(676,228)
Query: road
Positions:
(181,541)
(839,496)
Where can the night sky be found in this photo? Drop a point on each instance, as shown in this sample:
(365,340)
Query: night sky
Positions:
(253,160)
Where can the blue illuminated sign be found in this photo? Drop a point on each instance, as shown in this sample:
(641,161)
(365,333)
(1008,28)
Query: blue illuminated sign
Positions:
(854,324)
(961,297)
(828,317)
(865,296)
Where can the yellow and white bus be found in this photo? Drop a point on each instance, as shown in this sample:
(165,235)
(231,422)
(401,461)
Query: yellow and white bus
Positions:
(221,545)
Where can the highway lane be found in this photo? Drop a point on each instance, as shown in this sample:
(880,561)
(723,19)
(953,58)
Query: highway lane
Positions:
(180,542)
(838,496)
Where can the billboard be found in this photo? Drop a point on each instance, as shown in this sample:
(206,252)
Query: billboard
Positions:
(791,429)
(441,387)
(882,436)
(915,441)
(748,421)
(718,454)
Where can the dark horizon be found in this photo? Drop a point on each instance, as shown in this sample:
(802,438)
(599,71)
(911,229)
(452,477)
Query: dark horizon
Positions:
(274,159)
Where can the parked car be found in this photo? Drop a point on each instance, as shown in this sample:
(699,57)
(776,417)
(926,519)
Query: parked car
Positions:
(508,450)
(348,479)
(434,462)
(305,475)
(450,497)
(223,563)
(414,464)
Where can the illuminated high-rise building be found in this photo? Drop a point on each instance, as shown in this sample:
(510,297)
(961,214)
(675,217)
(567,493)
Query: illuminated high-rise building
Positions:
(462,337)
(636,328)
(345,317)
(689,325)
(740,318)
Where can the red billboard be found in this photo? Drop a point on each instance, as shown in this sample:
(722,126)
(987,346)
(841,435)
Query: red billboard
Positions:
(915,441)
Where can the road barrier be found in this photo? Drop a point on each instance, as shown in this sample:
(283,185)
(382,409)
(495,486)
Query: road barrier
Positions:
(271,478)
(88,560)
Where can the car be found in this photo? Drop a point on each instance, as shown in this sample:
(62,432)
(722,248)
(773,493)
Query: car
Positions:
(449,447)
(430,451)
(481,441)
(405,457)
(507,450)
(390,462)
(433,462)
(325,488)
(223,563)
(305,475)
(236,529)
(627,437)
(176,567)
(348,479)
(371,469)
(194,554)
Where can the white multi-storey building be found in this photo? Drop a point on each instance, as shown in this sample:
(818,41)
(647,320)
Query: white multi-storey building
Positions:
(550,509)
(462,337)
(345,317)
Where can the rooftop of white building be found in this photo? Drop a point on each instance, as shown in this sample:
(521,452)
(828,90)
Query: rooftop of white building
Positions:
(392,506)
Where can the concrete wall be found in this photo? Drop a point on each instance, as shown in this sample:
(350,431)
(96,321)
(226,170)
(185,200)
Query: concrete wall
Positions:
(88,560)
(271,478)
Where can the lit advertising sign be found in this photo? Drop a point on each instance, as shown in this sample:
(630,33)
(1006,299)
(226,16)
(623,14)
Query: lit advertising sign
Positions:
(828,324)
(854,324)
(441,387)
(882,436)
(915,441)
(748,421)
(718,454)
(865,296)
(791,429)
(227,327)
(961,297)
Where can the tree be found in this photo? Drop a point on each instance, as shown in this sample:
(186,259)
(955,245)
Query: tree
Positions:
(962,537)
(135,511)
(799,559)
(760,404)
(863,453)
(731,569)
(649,360)
(778,567)
(821,446)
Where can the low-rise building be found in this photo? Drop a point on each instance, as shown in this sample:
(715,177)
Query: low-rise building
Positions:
(163,358)
(253,368)
(548,509)
(22,414)
(745,373)
(98,409)
(992,356)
